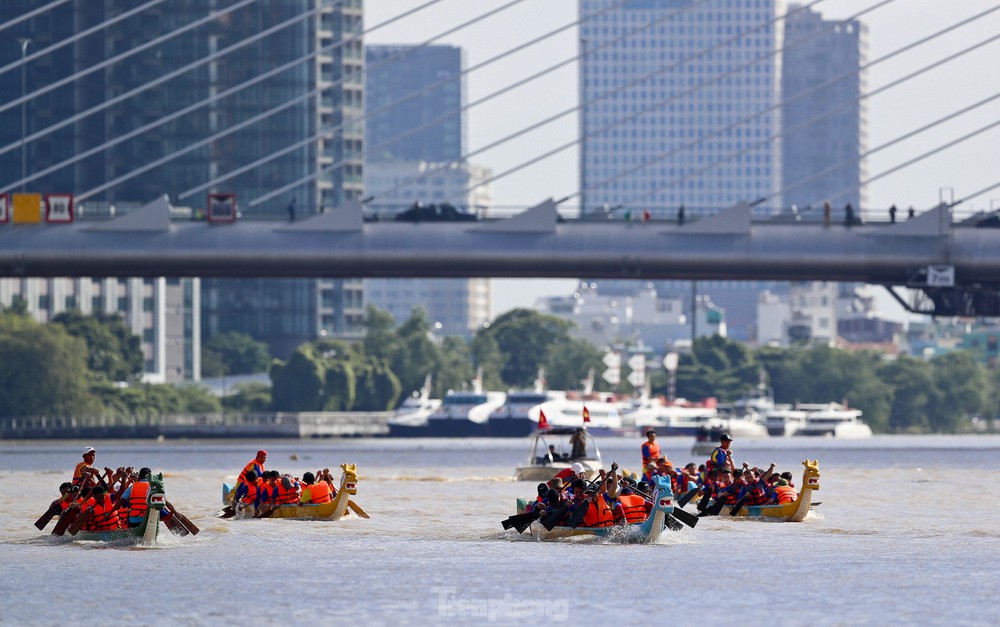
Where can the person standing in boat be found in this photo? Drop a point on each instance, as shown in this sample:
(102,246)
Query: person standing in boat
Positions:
(256,465)
(578,442)
(722,456)
(650,449)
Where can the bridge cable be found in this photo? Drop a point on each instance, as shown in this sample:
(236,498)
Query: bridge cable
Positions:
(31,14)
(330,131)
(658,105)
(168,76)
(181,112)
(62,43)
(812,120)
(525,130)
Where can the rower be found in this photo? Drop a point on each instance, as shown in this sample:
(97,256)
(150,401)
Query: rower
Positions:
(722,457)
(86,467)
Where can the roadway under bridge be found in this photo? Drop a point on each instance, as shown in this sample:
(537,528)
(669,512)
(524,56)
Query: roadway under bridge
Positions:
(954,267)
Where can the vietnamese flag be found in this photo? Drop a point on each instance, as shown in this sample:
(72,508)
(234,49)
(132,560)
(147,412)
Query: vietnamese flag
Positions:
(586,415)
(543,422)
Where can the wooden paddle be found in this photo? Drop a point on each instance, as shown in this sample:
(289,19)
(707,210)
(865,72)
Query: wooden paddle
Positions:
(81,520)
(66,519)
(190,526)
(54,508)
(713,509)
(357,509)
(549,522)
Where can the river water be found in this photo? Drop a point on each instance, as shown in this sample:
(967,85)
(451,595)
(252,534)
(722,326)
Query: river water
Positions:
(908,532)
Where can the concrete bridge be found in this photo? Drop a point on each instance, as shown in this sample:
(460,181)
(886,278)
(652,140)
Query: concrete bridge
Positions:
(955,266)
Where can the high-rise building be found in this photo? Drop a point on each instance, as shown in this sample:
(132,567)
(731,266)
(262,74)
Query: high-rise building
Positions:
(665,103)
(413,103)
(823,116)
(277,73)
(415,139)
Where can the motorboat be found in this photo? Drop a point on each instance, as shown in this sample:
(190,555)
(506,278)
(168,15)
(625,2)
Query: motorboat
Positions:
(461,414)
(552,450)
(833,420)
(784,420)
(416,409)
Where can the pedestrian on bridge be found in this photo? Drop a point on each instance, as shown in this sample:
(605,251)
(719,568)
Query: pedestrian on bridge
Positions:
(910,213)
(680,216)
(892,214)
(291,211)
(827,210)
(848,215)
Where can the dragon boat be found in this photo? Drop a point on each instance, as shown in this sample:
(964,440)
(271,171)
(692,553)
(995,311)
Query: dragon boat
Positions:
(795,511)
(650,530)
(145,533)
(338,508)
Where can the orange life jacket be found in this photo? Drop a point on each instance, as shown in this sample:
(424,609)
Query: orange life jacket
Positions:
(650,453)
(320,492)
(105,516)
(252,490)
(253,465)
(285,495)
(78,472)
(634,507)
(137,505)
(786,494)
(598,513)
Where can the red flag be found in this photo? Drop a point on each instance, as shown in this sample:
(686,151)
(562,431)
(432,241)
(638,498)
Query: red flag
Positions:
(543,422)
(586,415)
(646,216)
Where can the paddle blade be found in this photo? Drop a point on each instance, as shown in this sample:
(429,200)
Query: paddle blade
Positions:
(672,523)
(684,500)
(66,519)
(687,518)
(228,512)
(577,518)
(80,521)
(738,506)
(357,509)
(184,520)
(703,503)
(523,524)
(54,509)
(713,509)
(173,524)
(550,521)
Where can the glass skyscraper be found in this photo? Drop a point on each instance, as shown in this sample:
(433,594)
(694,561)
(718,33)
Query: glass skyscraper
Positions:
(664,99)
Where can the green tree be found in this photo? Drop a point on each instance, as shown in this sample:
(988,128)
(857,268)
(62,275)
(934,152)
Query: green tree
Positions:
(455,366)
(414,356)
(568,364)
(233,353)
(298,384)
(524,338)
(43,369)
(486,355)
(914,394)
(113,351)
(717,367)
(249,398)
(963,391)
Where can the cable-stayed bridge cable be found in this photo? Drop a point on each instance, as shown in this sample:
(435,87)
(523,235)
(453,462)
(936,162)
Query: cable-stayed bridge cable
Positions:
(30,14)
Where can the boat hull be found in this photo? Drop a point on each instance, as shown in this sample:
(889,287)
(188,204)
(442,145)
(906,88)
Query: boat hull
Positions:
(544,472)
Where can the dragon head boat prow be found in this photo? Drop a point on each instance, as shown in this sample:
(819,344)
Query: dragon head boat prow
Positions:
(349,481)
(810,477)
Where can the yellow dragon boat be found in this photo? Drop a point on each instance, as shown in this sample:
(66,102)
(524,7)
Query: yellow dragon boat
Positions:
(340,507)
(795,511)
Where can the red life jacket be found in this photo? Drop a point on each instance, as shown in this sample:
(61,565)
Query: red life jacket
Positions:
(634,507)
(105,516)
(320,492)
(137,505)
(598,513)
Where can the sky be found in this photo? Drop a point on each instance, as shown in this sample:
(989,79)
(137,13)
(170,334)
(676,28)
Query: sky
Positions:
(951,173)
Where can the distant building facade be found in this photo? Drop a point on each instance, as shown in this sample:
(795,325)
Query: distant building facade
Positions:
(162,312)
(415,138)
(824,117)
(656,111)
(322,88)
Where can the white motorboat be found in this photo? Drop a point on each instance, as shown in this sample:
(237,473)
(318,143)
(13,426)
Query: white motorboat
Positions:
(461,413)
(415,410)
(833,420)
(552,451)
